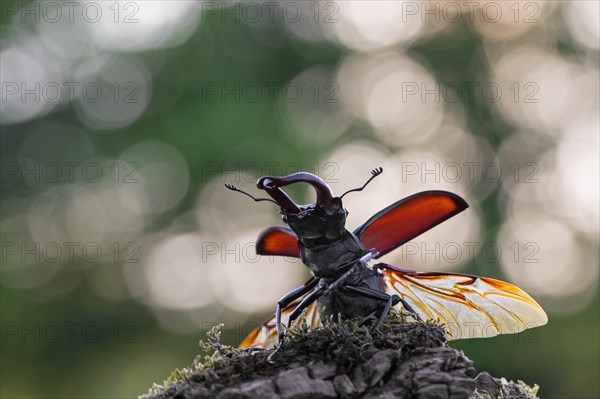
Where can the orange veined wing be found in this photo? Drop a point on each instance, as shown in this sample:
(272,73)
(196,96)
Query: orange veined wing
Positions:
(278,241)
(468,306)
(265,336)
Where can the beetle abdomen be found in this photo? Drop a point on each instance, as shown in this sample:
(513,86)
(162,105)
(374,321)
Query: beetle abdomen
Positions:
(350,305)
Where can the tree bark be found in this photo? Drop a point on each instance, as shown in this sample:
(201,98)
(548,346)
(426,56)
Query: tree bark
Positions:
(341,360)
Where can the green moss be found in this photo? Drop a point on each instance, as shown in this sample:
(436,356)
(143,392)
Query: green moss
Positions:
(510,389)
(343,341)
(344,346)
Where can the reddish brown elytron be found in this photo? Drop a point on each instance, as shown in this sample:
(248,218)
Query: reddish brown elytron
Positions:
(278,241)
(408,218)
(343,284)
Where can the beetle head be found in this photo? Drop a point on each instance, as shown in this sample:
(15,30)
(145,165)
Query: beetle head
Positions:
(319,223)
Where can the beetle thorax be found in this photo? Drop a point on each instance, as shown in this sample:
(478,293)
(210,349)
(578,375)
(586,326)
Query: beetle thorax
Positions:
(315,226)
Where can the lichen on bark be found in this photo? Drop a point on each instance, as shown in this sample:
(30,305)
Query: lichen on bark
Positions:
(340,360)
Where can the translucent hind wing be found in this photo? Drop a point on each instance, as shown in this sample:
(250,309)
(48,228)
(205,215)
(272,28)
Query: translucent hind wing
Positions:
(468,306)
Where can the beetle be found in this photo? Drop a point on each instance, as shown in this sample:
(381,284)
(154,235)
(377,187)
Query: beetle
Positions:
(344,285)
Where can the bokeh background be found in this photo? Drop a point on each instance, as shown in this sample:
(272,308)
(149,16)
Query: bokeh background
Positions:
(120,122)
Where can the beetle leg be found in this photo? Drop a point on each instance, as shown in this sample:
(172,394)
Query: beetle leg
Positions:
(340,279)
(354,264)
(289,298)
(373,294)
(313,296)
(410,309)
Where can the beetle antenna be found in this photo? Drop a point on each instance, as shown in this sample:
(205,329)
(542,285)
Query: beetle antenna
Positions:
(374,173)
(235,188)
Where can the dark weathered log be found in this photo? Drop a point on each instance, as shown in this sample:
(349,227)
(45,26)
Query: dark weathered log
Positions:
(341,360)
